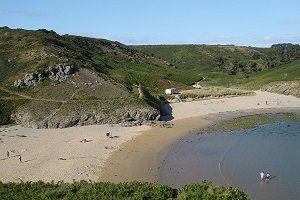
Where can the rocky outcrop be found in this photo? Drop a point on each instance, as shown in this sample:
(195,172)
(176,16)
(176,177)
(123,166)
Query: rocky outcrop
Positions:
(28,80)
(59,72)
(128,116)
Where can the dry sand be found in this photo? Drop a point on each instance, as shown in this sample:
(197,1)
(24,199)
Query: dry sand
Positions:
(261,100)
(58,154)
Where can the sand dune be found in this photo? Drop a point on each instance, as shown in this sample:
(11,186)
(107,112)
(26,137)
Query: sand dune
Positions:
(58,154)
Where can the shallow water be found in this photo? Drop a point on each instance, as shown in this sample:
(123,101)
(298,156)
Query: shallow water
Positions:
(236,159)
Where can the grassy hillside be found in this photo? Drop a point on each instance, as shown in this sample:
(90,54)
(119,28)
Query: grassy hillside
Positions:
(229,59)
(107,75)
(283,79)
(23,51)
(287,72)
(199,57)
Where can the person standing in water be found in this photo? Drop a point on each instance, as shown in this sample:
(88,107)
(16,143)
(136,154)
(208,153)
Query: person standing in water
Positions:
(268,176)
(262,175)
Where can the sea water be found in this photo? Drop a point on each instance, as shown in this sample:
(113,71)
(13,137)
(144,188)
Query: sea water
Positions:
(236,159)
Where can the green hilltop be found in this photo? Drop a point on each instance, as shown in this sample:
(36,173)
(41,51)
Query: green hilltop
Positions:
(49,80)
(226,58)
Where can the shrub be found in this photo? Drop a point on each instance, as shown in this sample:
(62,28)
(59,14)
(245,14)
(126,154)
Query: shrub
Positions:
(106,190)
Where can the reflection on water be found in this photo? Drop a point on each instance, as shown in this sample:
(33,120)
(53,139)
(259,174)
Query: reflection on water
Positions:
(236,159)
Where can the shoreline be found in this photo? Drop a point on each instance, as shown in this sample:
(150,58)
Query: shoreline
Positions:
(134,154)
(140,159)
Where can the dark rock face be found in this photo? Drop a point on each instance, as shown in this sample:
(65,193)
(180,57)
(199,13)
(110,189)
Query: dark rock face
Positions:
(126,116)
(59,73)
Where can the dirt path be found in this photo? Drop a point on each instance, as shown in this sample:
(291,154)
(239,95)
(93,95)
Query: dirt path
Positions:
(22,96)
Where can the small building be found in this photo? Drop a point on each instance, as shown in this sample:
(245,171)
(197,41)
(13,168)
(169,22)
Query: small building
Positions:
(197,85)
(171,91)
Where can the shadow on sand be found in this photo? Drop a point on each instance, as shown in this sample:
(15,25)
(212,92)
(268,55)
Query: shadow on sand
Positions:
(166,113)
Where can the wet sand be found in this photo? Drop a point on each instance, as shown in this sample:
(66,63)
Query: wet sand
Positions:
(140,158)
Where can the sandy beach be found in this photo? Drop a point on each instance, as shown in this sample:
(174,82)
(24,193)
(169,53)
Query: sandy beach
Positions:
(59,154)
(134,153)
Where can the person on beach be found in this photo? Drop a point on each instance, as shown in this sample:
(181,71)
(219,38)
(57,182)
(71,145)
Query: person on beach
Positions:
(20,158)
(262,175)
(7,154)
(268,176)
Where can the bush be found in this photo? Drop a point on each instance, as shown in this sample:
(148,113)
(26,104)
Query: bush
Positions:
(106,190)
(208,191)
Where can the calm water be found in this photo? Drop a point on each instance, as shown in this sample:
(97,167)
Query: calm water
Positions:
(236,159)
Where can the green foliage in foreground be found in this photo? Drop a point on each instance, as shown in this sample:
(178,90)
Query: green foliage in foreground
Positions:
(208,191)
(105,190)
